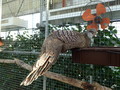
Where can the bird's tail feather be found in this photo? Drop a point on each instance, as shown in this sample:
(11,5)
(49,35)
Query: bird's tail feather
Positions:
(42,65)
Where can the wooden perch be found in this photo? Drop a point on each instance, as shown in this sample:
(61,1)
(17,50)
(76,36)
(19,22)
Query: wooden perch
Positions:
(74,82)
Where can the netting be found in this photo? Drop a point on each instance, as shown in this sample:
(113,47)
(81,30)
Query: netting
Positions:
(12,75)
(25,45)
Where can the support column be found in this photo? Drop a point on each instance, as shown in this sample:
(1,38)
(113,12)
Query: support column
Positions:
(41,12)
(0,15)
(47,18)
(46,35)
(44,82)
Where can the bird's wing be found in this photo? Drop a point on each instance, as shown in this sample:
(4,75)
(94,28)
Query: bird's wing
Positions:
(66,36)
(46,60)
(71,39)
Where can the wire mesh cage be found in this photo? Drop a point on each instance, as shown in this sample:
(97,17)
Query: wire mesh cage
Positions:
(25,43)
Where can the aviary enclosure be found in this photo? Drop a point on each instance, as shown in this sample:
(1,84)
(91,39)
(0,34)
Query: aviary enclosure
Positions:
(76,69)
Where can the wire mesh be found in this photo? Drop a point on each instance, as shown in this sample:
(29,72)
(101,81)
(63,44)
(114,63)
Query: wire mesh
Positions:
(12,75)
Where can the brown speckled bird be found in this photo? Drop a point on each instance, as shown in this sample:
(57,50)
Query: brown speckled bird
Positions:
(57,42)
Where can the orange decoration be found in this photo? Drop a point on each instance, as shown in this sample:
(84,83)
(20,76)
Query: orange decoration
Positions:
(96,19)
(105,22)
(92,26)
(100,9)
(87,16)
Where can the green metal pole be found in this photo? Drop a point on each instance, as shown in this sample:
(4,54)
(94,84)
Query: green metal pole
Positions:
(46,35)
(0,15)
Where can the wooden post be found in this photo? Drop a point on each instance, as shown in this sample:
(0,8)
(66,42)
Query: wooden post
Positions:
(63,3)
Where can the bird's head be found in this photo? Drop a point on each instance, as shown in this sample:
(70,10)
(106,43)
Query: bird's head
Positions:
(91,33)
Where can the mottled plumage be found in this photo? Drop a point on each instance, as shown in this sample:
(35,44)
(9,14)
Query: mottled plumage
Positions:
(56,43)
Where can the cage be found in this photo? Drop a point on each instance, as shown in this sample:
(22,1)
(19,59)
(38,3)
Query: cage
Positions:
(74,69)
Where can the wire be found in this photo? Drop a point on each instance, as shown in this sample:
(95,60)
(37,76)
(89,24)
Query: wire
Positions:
(8,1)
(10,9)
(19,8)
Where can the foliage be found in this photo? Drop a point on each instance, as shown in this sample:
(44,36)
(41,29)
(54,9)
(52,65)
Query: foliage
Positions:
(26,42)
(107,37)
(13,75)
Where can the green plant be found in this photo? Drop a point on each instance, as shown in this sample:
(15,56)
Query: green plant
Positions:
(107,37)
(12,75)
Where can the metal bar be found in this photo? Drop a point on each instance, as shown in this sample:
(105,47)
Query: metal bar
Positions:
(47,18)
(10,10)
(115,20)
(41,11)
(91,77)
(9,1)
(21,52)
(44,82)
(46,35)
(19,8)
(29,52)
(0,15)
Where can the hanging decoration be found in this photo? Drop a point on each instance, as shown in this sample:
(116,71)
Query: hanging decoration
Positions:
(96,20)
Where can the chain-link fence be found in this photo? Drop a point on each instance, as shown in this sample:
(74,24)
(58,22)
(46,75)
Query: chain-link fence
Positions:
(26,44)
(25,49)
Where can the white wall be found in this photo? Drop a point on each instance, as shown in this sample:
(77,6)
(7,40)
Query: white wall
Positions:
(29,6)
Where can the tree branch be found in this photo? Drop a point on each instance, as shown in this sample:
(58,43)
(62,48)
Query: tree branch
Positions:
(59,77)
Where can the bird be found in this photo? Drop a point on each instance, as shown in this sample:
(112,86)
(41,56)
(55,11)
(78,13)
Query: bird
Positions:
(57,42)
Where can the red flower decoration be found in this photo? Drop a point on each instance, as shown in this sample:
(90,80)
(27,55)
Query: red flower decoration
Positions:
(94,20)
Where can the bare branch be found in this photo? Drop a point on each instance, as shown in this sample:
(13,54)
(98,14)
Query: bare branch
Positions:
(59,77)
